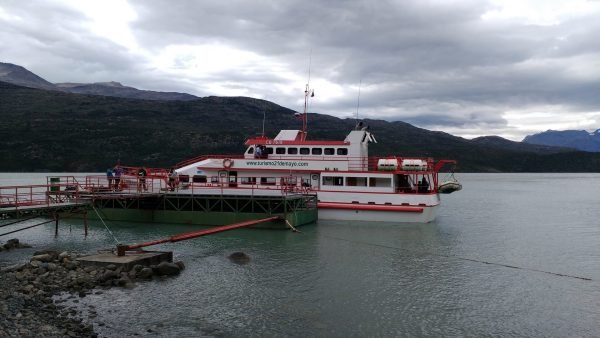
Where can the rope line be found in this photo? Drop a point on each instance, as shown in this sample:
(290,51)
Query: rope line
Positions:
(18,221)
(106,226)
(463,258)
(31,226)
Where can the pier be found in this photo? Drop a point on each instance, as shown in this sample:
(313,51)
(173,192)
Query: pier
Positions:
(152,200)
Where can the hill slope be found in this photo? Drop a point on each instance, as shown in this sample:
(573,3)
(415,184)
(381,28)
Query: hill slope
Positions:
(118,90)
(50,130)
(576,139)
(20,76)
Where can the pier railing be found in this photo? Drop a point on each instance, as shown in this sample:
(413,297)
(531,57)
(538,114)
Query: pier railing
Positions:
(101,184)
(98,186)
(27,196)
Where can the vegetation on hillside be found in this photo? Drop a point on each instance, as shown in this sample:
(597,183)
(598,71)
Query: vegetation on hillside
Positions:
(54,131)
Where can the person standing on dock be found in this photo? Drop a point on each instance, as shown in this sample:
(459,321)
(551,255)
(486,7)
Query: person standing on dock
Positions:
(110,178)
(118,171)
(142,179)
(172,179)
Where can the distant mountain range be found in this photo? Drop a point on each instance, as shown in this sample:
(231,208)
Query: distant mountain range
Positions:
(22,77)
(62,127)
(18,75)
(576,139)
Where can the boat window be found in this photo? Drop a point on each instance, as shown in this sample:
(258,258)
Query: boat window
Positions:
(268,180)
(329,151)
(333,180)
(214,179)
(380,182)
(356,181)
(304,151)
(317,151)
(342,151)
(184,178)
(292,151)
(248,180)
(289,181)
(250,150)
(269,150)
(199,179)
(279,150)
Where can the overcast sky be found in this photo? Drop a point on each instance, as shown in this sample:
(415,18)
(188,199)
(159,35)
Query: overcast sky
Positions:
(469,68)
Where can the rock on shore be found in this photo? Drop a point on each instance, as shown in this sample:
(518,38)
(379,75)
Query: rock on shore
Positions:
(27,308)
(14,244)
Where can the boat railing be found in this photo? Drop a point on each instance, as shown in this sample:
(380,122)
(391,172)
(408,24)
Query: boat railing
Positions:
(204,157)
(354,163)
(279,185)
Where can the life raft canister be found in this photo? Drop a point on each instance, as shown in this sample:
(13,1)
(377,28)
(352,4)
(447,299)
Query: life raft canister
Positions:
(227,163)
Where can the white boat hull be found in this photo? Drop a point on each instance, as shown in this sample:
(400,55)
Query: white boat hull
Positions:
(349,206)
(427,215)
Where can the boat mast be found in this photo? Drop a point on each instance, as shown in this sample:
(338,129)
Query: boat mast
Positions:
(306,93)
(304,115)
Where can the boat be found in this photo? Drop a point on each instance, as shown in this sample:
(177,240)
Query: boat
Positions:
(349,184)
(450,185)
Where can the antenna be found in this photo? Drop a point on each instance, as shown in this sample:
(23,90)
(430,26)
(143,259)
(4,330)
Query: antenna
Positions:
(358,100)
(306,95)
(309,64)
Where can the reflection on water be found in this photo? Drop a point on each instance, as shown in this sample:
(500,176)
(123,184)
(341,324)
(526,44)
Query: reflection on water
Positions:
(360,279)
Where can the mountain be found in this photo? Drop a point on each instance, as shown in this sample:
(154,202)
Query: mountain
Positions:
(118,90)
(44,130)
(576,139)
(22,77)
(502,143)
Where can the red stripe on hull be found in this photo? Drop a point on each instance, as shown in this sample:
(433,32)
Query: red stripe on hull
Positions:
(371,207)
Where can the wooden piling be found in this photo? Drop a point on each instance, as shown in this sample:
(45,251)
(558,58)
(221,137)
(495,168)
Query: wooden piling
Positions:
(85,223)
(56,224)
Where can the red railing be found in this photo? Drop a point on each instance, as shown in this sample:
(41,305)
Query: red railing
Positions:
(205,157)
(124,184)
(15,197)
(283,185)
(355,163)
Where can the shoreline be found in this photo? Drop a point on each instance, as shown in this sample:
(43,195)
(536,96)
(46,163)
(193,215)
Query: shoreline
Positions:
(34,294)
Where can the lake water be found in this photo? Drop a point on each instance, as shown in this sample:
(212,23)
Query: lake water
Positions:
(508,255)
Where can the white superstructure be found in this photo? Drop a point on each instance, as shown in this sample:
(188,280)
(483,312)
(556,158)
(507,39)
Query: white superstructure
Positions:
(349,184)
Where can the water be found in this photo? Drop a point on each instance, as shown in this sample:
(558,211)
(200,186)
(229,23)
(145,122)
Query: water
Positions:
(340,279)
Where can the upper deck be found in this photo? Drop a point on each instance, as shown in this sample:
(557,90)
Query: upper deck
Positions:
(289,151)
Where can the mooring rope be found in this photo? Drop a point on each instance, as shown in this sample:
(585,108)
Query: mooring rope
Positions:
(462,258)
(31,226)
(106,226)
(291,226)
(18,221)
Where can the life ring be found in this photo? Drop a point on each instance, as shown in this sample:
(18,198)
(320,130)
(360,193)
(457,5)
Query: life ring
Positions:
(314,177)
(227,163)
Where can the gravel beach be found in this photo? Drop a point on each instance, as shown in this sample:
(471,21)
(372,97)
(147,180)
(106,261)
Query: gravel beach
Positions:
(32,293)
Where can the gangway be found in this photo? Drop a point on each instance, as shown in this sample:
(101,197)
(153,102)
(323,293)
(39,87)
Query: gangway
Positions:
(123,248)
(40,200)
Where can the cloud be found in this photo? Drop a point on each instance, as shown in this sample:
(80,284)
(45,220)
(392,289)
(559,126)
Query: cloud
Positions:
(467,67)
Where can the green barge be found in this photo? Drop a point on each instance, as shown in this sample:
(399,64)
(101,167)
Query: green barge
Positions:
(213,210)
